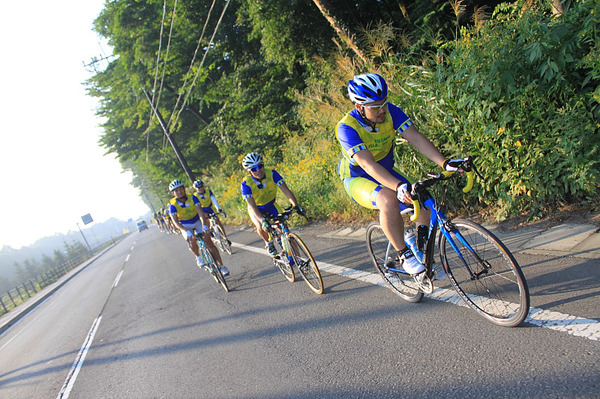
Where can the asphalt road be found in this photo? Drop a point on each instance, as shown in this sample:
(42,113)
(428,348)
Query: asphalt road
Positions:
(143,321)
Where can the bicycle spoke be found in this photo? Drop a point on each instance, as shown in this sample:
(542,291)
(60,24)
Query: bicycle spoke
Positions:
(306,264)
(382,254)
(493,283)
(213,268)
(283,262)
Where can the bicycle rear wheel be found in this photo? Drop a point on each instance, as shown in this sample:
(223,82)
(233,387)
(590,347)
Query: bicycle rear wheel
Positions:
(215,270)
(382,252)
(306,264)
(485,273)
(223,244)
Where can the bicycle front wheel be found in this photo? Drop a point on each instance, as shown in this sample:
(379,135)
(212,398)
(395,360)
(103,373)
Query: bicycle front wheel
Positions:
(485,273)
(215,270)
(382,253)
(223,243)
(306,264)
(282,261)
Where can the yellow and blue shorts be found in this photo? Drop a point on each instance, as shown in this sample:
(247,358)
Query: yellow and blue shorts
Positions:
(364,189)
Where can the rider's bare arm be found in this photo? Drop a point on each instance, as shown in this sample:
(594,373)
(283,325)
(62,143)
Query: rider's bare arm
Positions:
(288,193)
(423,145)
(367,162)
(177,223)
(202,215)
(254,208)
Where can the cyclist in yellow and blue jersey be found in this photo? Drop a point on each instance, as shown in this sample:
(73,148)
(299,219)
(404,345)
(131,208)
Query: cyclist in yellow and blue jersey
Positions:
(187,215)
(259,189)
(207,200)
(160,220)
(367,135)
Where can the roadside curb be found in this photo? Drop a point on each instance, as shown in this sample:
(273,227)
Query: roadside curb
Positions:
(578,240)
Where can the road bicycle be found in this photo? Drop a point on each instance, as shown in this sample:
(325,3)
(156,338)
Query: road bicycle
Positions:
(293,252)
(480,267)
(210,264)
(218,235)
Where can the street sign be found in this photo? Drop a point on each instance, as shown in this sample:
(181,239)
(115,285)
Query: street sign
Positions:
(87,219)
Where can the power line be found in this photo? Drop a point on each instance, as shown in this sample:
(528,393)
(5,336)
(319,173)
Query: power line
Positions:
(202,62)
(192,63)
(162,23)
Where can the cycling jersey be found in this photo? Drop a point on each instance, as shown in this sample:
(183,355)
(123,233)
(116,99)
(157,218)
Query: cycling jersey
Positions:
(185,211)
(264,191)
(206,201)
(354,135)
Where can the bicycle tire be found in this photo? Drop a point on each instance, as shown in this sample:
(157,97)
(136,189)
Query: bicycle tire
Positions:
(216,238)
(224,245)
(380,250)
(283,262)
(306,264)
(500,293)
(215,270)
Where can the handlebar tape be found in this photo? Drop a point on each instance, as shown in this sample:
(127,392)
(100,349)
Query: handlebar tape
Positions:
(466,189)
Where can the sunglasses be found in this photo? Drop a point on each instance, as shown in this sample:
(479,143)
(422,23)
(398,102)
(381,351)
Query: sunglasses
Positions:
(256,168)
(376,107)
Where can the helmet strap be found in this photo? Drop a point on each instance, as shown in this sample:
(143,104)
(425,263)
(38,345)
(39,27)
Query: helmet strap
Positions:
(361,112)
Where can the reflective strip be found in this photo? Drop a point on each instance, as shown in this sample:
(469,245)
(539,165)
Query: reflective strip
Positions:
(405,126)
(355,149)
(374,195)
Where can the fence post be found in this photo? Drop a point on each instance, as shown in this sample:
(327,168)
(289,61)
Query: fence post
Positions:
(12,299)
(33,287)
(19,292)
(3,307)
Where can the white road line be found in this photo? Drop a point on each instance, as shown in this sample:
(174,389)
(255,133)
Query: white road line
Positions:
(68,385)
(127,258)
(118,278)
(573,325)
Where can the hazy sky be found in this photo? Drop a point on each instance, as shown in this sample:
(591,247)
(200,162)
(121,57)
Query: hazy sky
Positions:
(52,170)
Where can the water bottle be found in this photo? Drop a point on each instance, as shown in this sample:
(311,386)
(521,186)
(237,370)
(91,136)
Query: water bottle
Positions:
(411,240)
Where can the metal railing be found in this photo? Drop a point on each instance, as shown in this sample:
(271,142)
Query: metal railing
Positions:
(16,296)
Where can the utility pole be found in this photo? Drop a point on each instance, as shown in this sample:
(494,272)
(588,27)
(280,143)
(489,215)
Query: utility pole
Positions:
(165,129)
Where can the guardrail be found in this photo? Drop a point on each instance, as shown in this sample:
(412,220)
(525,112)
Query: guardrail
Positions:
(16,296)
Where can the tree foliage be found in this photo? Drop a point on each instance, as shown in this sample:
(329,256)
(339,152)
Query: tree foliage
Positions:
(511,83)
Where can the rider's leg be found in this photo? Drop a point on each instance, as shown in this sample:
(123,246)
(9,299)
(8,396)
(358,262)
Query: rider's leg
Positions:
(368,193)
(221,226)
(194,246)
(257,223)
(192,243)
(212,248)
(390,218)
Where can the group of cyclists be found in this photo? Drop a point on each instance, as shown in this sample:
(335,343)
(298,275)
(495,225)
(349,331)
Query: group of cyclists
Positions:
(366,136)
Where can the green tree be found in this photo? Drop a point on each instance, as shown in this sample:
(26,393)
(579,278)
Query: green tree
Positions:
(20,273)
(58,257)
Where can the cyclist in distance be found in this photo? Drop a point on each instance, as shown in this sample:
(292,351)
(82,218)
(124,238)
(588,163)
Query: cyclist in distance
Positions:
(169,227)
(187,215)
(367,135)
(207,200)
(259,189)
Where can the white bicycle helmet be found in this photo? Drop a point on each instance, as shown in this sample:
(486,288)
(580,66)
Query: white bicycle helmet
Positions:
(367,88)
(198,183)
(251,160)
(175,184)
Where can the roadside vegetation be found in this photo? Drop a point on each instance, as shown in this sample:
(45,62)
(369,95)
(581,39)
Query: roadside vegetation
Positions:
(514,84)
